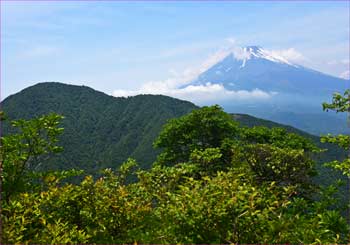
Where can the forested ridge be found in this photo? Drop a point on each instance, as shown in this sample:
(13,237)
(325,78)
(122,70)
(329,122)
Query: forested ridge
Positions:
(102,131)
(99,130)
(212,179)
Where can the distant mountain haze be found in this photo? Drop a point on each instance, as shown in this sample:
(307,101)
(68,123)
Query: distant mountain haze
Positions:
(296,92)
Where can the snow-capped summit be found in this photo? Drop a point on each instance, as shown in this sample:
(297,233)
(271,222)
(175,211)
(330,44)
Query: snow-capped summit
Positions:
(255,52)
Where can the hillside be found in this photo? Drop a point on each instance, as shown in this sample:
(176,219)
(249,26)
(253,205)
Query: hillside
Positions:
(99,130)
(102,131)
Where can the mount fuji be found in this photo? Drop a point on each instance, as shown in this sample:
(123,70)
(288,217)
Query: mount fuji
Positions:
(297,92)
(257,68)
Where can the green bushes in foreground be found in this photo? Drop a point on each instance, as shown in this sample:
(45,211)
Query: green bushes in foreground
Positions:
(214,182)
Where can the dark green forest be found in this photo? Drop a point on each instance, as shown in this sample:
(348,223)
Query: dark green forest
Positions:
(154,169)
(100,131)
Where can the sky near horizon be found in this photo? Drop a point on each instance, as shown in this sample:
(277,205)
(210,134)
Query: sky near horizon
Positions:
(120,46)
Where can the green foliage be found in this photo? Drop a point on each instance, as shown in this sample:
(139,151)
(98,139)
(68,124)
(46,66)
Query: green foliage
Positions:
(198,200)
(340,103)
(284,166)
(344,142)
(341,140)
(201,129)
(208,138)
(278,137)
(326,176)
(24,151)
(223,184)
(207,161)
(102,211)
(168,206)
(343,166)
(225,209)
(102,131)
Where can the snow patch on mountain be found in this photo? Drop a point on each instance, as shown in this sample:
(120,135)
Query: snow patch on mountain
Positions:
(256,52)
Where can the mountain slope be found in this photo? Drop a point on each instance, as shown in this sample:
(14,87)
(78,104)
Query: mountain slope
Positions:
(99,130)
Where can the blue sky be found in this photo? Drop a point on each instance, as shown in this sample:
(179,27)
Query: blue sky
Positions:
(117,46)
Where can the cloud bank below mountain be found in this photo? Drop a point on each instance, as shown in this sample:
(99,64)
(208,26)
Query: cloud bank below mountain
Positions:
(200,94)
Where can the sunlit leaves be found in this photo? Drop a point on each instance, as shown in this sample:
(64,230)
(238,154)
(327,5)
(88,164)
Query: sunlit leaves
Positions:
(201,129)
(24,151)
(341,140)
(340,103)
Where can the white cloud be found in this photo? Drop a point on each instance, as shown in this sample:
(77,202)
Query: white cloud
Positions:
(200,94)
(345,74)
